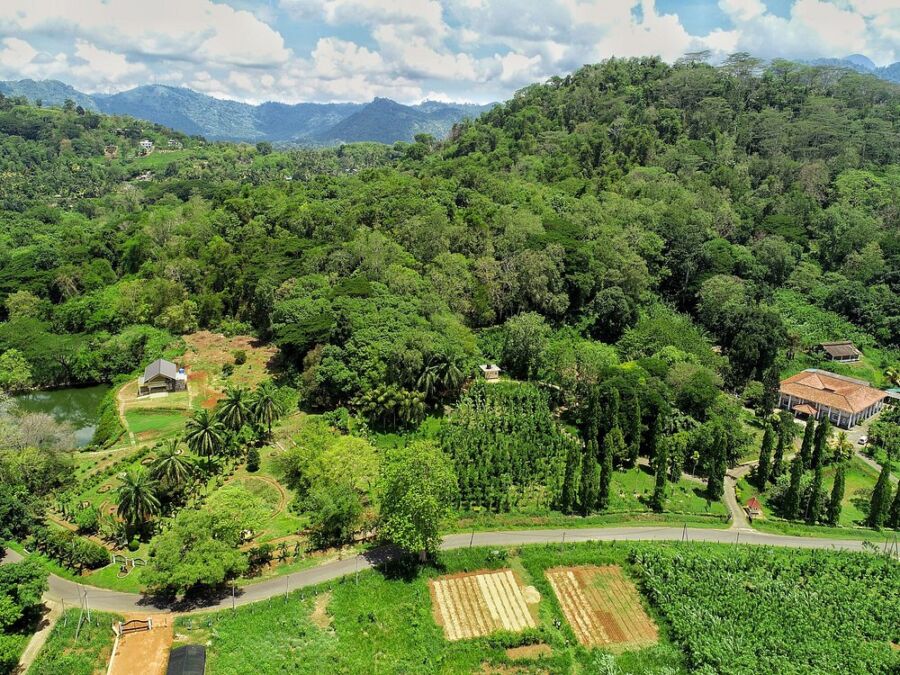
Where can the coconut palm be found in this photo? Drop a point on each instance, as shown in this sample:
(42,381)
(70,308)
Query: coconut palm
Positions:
(266,408)
(137,497)
(235,409)
(204,434)
(172,468)
(893,376)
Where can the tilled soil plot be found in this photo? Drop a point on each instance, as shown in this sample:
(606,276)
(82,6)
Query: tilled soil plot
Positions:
(479,603)
(602,607)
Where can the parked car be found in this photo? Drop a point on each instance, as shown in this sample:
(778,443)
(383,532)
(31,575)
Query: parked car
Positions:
(863,440)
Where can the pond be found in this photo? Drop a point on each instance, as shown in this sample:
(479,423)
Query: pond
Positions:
(77,406)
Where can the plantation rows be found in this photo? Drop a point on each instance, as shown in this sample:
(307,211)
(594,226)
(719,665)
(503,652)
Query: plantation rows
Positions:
(760,610)
(507,448)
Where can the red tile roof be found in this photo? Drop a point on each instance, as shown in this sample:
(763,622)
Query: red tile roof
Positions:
(834,391)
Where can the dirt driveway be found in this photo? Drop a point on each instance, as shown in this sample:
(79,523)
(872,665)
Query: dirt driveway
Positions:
(144,652)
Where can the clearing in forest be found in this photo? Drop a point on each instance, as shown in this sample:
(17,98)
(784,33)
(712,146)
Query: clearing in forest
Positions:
(602,607)
(479,603)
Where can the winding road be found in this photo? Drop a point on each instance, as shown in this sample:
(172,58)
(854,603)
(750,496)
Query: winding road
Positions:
(62,590)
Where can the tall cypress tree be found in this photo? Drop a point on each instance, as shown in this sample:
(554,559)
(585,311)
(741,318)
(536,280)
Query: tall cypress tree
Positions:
(658,500)
(878,507)
(635,429)
(820,442)
(792,498)
(569,497)
(786,431)
(715,481)
(806,447)
(894,514)
(765,457)
(590,478)
(815,498)
(837,496)
(613,443)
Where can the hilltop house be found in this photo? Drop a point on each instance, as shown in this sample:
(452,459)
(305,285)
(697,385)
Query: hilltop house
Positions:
(817,394)
(490,371)
(843,352)
(161,376)
(146,145)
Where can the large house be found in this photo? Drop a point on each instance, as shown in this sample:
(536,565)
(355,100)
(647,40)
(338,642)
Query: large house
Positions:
(161,376)
(843,352)
(817,394)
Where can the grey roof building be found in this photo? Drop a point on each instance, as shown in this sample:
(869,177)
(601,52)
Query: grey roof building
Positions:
(161,376)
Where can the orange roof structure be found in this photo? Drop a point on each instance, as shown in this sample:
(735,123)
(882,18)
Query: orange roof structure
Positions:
(753,504)
(806,409)
(835,391)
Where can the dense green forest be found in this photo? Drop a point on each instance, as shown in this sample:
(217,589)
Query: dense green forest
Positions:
(640,240)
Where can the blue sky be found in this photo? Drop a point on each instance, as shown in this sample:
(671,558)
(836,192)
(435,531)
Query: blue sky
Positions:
(408,50)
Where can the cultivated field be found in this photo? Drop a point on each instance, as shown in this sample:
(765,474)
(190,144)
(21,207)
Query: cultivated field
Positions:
(480,603)
(602,607)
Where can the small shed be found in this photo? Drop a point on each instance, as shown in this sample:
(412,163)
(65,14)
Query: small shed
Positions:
(843,352)
(161,376)
(187,660)
(490,371)
(754,508)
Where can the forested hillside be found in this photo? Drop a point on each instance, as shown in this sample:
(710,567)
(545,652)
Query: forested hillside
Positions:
(630,212)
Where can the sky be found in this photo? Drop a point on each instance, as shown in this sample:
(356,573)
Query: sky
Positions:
(407,50)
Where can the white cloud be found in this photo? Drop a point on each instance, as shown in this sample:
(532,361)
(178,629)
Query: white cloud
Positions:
(404,49)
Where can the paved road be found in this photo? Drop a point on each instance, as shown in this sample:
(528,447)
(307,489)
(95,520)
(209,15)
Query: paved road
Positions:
(101,599)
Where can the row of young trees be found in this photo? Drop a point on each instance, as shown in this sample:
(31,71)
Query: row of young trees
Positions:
(796,489)
(507,448)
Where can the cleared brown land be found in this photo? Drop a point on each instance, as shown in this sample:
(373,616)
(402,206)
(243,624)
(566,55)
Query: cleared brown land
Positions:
(145,652)
(479,603)
(602,607)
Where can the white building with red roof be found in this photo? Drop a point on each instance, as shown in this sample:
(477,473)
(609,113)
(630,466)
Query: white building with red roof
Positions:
(818,394)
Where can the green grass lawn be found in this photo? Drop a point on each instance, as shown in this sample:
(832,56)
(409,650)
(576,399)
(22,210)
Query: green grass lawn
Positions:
(155,423)
(86,656)
(384,624)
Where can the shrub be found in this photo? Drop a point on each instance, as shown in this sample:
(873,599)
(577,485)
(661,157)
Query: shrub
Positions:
(253,459)
(240,357)
(227,369)
(134,544)
(88,520)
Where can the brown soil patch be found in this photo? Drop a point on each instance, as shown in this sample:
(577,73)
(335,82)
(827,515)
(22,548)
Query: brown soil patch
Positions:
(603,607)
(529,651)
(145,652)
(320,616)
(479,603)
(491,669)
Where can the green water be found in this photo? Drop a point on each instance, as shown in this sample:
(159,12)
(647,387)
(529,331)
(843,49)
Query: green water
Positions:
(77,406)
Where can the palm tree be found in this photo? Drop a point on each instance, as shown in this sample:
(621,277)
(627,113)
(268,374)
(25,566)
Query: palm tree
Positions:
(137,497)
(204,433)
(266,408)
(171,468)
(235,409)
(893,376)
(843,447)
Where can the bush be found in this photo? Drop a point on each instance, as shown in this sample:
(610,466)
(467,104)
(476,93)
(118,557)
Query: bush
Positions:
(253,460)
(88,520)
(68,549)
(339,419)
(240,357)
(134,544)
(227,369)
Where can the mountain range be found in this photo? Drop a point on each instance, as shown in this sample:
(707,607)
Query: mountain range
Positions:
(191,112)
(863,64)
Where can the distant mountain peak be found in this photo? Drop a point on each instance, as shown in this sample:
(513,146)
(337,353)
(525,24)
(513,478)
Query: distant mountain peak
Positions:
(191,112)
(861,60)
